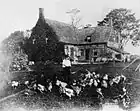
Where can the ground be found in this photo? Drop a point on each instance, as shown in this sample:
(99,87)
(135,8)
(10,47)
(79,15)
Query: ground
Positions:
(50,101)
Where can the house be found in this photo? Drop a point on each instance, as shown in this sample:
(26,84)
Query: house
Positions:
(82,45)
(98,44)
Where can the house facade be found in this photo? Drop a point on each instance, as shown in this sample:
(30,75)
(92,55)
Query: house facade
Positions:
(100,44)
(91,45)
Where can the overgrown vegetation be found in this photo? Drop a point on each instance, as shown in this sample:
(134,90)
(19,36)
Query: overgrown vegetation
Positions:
(43,48)
(43,44)
(12,47)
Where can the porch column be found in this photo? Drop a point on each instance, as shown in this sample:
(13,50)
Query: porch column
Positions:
(91,55)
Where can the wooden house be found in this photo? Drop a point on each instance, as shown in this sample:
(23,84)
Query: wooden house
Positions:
(84,45)
(99,44)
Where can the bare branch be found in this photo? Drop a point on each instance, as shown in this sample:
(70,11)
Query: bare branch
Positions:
(74,21)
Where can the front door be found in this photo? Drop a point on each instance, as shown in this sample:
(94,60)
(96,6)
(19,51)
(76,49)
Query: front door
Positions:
(87,54)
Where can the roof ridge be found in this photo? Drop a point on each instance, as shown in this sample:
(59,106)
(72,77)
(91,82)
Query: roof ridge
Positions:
(66,24)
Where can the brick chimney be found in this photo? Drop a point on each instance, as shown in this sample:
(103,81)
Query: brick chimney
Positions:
(41,12)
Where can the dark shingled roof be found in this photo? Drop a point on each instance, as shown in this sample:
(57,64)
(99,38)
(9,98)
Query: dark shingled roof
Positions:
(64,31)
(119,50)
(99,34)
(103,34)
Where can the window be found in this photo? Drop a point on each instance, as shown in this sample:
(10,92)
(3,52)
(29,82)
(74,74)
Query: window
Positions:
(87,51)
(46,40)
(66,50)
(82,52)
(95,53)
(118,56)
(72,52)
(34,41)
(88,39)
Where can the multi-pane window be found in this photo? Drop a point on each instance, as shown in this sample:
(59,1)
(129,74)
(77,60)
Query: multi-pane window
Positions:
(82,52)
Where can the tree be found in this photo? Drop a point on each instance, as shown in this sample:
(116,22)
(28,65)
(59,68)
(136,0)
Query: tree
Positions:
(124,22)
(12,47)
(75,21)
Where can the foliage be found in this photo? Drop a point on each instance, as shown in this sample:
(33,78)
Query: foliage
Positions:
(43,44)
(123,21)
(12,47)
(20,61)
(12,43)
(84,84)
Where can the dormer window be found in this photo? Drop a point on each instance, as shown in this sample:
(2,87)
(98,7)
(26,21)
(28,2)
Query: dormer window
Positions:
(88,39)
(114,39)
(34,41)
(46,40)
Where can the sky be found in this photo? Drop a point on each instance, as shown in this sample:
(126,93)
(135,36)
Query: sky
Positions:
(23,14)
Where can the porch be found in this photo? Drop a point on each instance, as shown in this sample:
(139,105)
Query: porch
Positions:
(85,53)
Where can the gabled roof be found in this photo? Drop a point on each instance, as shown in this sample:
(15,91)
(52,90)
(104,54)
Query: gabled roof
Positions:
(67,34)
(84,32)
(64,31)
(99,34)
(103,34)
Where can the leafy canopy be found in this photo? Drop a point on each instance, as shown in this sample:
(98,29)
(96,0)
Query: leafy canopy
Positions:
(123,21)
(12,47)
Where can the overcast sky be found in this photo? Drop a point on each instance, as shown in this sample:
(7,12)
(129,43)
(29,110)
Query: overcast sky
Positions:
(23,14)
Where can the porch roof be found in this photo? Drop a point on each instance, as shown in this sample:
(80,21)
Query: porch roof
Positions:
(118,50)
(84,43)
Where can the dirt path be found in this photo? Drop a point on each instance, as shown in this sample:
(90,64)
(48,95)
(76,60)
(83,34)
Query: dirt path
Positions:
(7,97)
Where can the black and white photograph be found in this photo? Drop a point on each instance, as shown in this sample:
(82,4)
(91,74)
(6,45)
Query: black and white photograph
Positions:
(69,55)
